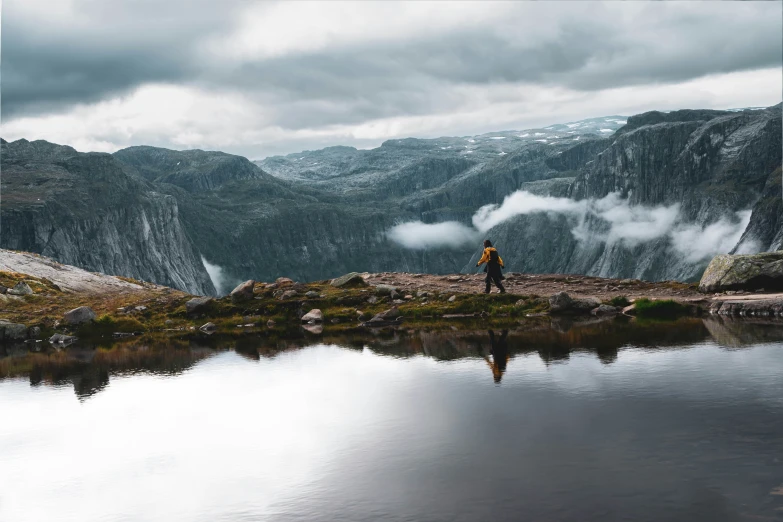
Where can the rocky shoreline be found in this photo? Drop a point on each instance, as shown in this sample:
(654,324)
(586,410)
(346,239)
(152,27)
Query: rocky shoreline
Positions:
(44,300)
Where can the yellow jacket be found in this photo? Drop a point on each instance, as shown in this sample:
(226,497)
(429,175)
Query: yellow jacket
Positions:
(485,257)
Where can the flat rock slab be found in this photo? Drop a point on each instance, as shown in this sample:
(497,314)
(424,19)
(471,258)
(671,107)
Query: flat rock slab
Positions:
(68,278)
(352,280)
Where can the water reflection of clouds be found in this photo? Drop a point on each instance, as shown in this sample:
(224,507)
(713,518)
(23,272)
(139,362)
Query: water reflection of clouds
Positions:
(156,448)
(314,430)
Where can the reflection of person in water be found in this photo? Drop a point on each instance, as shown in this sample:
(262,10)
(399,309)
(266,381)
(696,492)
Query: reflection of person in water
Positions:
(499,351)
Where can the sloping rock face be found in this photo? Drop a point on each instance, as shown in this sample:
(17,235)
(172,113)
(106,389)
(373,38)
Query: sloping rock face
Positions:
(67,278)
(85,210)
(710,163)
(744,272)
(765,230)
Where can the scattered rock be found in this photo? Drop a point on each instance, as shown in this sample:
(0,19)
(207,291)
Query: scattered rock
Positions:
(630,310)
(352,280)
(743,272)
(287,294)
(562,303)
(140,308)
(83,314)
(311,294)
(243,292)
(168,322)
(34,332)
(21,288)
(452,298)
(604,309)
(397,301)
(12,331)
(3,289)
(198,304)
(283,281)
(313,315)
(59,338)
(408,297)
(385,289)
(270,323)
(361,315)
(208,327)
(372,299)
(422,293)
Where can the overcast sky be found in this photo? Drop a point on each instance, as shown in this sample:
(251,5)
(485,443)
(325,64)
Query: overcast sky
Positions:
(263,78)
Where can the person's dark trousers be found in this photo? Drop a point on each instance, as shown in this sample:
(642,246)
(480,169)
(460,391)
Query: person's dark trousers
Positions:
(493,278)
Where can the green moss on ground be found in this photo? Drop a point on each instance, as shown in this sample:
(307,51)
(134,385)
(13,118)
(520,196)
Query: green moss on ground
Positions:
(662,309)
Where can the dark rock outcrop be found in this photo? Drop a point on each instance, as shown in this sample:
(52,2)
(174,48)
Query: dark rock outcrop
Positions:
(744,272)
(351,280)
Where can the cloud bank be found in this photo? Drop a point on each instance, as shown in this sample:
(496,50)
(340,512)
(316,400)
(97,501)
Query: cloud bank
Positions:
(609,220)
(258,78)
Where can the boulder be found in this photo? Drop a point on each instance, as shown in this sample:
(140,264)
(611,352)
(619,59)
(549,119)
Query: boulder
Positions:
(243,292)
(20,288)
(559,302)
(197,305)
(208,327)
(34,332)
(283,281)
(562,303)
(605,309)
(352,280)
(312,294)
(744,272)
(3,289)
(12,331)
(287,294)
(83,314)
(314,315)
(385,289)
(452,298)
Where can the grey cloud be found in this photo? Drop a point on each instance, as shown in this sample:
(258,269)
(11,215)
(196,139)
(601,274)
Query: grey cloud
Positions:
(123,44)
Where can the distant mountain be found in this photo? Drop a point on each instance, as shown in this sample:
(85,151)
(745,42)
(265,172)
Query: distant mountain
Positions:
(155,213)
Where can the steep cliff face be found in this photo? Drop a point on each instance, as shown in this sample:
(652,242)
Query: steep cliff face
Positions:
(765,230)
(711,164)
(84,210)
(152,213)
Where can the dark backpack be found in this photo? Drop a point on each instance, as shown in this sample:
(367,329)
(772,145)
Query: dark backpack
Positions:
(493,256)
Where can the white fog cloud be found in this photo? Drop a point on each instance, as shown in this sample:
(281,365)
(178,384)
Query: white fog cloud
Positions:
(610,220)
(419,236)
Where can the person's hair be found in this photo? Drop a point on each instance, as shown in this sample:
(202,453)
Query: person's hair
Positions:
(487,243)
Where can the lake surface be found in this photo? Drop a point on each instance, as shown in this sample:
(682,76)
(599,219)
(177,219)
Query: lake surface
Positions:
(605,421)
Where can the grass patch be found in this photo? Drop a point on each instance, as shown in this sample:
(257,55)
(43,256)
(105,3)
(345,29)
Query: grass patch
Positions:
(106,325)
(618,300)
(663,309)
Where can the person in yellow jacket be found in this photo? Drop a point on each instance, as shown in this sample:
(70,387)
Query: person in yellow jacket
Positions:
(494,264)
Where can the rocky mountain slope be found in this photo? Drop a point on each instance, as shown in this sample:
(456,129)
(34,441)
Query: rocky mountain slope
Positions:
(154,213)
(87,210)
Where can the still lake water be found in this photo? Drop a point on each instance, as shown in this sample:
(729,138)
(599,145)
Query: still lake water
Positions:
(601,422)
